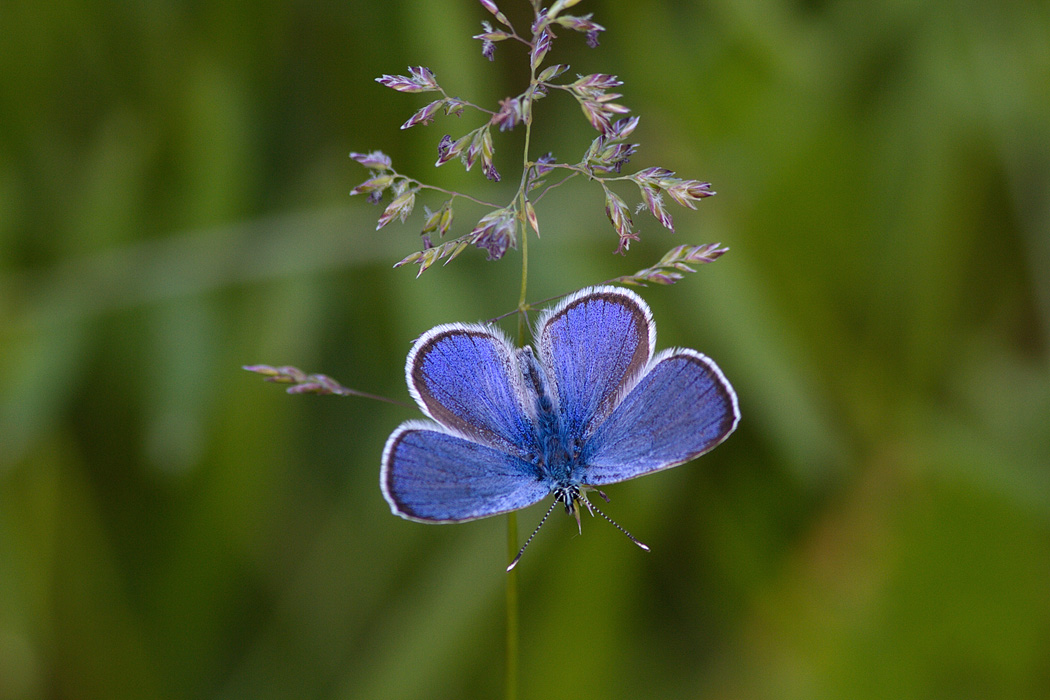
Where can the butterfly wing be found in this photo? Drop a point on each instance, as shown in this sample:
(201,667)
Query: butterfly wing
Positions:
(682,407)
(431,475)
(594,345)
(467,378)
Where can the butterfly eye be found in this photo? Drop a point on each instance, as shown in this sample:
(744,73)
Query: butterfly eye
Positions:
(568,496)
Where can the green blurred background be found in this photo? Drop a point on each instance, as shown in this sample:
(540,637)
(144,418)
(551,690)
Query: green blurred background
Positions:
(173,204)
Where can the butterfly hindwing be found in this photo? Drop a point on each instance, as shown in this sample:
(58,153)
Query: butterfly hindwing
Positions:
(681,407)
(431,475)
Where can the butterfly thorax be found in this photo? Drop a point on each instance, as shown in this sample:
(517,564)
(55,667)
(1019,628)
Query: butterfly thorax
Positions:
(558,454)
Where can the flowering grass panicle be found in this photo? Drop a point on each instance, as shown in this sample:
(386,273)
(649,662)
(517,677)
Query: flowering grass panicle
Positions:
(503,225)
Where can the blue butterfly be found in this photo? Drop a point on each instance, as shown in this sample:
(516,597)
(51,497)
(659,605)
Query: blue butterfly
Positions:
(591,406)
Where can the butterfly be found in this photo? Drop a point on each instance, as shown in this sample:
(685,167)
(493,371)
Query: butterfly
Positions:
(591,405)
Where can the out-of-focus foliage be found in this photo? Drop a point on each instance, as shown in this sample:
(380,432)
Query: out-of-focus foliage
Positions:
(173,205)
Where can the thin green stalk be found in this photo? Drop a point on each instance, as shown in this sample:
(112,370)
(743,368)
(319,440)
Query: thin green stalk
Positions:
(512,609)
(512,518)
(524,283)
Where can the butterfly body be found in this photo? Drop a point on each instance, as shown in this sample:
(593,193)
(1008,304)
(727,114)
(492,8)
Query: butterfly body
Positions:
(591,406)
(556,454)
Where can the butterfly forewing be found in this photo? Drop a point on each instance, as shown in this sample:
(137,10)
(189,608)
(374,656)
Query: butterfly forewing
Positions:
(466,377)
(594,345)
(680,408)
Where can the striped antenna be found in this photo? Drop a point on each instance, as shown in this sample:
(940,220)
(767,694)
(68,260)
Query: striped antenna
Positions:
(522,550)
(594,509)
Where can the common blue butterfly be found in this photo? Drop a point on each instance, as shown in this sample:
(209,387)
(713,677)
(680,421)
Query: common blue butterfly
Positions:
(590,406)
